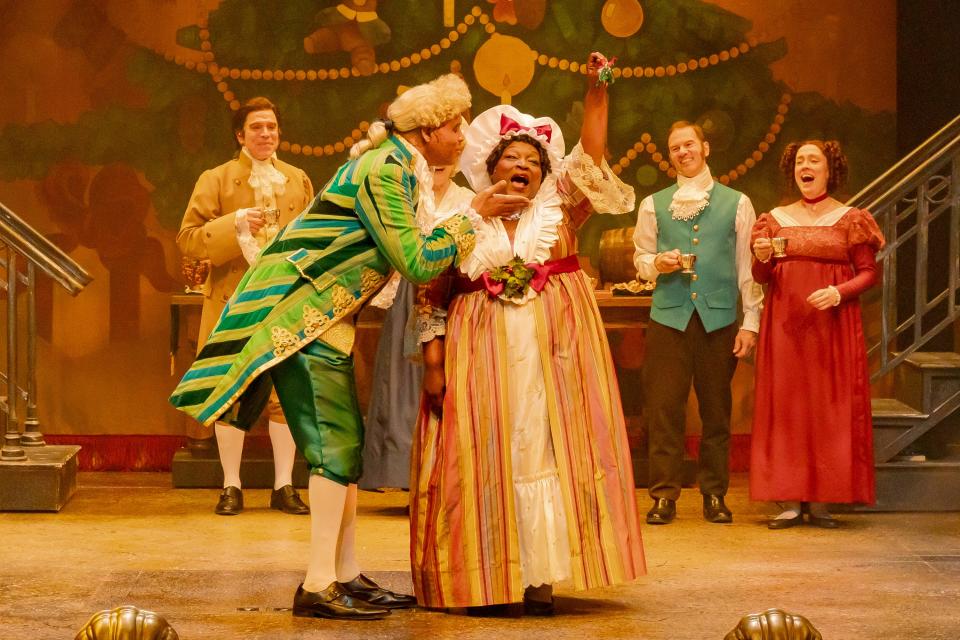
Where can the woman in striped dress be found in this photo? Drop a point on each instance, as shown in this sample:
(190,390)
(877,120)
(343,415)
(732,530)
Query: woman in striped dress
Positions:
(522,476)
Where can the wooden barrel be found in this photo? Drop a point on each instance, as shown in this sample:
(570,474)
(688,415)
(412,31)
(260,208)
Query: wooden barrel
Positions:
(616,256)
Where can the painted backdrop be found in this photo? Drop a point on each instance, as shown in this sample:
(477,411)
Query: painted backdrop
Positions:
(110,109)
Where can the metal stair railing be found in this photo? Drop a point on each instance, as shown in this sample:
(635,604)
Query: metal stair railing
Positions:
(24,244)
(921,190)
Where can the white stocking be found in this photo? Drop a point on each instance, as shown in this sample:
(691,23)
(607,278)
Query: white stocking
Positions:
(790,510)
(230,445)
(284,451)
(327,499)
(347,567)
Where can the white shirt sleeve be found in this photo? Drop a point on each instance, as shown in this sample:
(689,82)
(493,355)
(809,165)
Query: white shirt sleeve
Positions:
(751,295)
(645,241)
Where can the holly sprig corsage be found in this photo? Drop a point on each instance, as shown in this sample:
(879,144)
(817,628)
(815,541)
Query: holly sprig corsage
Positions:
(515,277)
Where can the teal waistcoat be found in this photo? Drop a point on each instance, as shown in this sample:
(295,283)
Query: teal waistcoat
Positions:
(712,237)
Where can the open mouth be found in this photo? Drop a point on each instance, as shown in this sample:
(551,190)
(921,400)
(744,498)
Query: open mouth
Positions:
(520,181)
(806,178)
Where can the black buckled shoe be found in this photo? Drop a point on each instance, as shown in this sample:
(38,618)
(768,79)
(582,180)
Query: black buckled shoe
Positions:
(363,588)
(230,503)
(334,602)
(714,510)
(287,499)
(664,510)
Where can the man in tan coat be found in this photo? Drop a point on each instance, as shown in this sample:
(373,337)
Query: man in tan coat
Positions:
(235,209)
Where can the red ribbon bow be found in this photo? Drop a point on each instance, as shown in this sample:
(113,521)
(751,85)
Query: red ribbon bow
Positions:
(508,124)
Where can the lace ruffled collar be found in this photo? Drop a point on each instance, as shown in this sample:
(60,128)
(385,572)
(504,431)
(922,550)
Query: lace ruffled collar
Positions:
(535,235)
(693,196)
(265,179)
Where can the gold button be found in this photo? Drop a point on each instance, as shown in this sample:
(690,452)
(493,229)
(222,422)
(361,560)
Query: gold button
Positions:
(693,296)
(290,207)
(236,181)
(696,227)
(694,277)
(696,241)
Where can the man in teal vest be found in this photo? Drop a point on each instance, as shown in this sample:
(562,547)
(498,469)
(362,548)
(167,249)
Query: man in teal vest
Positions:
(693,334)
(290,322)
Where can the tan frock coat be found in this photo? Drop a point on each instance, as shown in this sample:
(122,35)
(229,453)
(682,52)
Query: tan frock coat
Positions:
(208,230)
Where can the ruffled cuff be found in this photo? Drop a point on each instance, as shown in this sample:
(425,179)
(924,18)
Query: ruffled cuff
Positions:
(431,325)
(248,244)
(600,185)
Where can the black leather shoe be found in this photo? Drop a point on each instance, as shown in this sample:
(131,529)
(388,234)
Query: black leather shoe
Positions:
(334,602)
(363,588)
(287,499)
(664,510)
(785,523)
(230,503)
(715,511)
(537,607)
(824,523)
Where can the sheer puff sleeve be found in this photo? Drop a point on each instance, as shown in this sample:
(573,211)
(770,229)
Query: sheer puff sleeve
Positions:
(864,230)
(766,226)
(865,239)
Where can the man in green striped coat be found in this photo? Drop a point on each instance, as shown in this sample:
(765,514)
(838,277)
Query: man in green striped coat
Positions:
(290,323)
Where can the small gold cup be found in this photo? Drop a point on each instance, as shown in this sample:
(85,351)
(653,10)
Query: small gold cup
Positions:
(271,225)
(687,260)
(194,272)
(779,247)
(271,217)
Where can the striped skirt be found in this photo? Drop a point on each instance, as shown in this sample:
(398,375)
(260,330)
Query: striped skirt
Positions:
(526,478)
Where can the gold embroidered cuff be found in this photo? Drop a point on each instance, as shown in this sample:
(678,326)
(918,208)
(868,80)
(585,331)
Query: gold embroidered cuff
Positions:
(463,235)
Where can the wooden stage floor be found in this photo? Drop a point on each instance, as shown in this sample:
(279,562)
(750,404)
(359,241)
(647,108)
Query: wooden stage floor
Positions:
(129,538)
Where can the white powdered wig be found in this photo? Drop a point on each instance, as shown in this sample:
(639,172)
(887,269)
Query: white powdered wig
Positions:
(425,105)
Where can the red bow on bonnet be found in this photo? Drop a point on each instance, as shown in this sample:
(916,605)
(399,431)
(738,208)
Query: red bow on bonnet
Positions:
(508,124)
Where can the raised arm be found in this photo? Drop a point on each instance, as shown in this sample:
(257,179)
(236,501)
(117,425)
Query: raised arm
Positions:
(593,133)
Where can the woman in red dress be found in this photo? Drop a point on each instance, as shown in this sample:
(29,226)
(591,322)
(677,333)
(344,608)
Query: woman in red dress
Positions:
(812,429)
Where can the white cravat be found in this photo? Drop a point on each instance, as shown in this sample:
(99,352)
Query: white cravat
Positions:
(266,180)
(693,196)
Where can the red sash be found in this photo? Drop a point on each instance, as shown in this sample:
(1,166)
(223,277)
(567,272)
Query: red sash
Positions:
(542,273)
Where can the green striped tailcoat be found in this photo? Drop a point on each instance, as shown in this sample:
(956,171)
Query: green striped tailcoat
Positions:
(316,273)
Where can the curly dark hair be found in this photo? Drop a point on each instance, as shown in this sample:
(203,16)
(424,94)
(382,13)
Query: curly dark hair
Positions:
(498,150)
(836,162)
(253,104)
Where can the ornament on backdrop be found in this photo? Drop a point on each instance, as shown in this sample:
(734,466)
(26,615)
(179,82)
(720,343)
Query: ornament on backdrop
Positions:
(504,66)
(621,18)
(352,26)
(526,13)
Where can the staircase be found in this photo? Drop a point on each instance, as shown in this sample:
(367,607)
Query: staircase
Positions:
(917,432)
(33,475)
